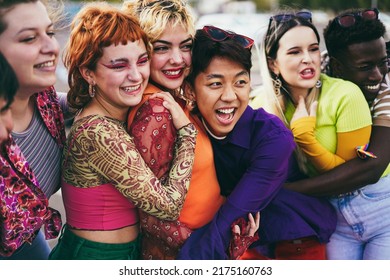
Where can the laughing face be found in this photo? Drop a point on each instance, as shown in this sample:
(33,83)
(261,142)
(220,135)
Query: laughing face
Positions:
(298,60)
(171,57)
(222,94)
(29,45)
(365,64)
(121,75)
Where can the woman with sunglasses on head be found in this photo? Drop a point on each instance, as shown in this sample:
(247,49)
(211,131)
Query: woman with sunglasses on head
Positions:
(105,179)
(8,87)
(357,49)
(31,158)
(169,25)
(328,117)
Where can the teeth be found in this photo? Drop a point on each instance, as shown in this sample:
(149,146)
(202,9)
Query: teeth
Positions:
(132,88)
(46,64)
(226,111)
(307,71)
(172,73)
(373,87)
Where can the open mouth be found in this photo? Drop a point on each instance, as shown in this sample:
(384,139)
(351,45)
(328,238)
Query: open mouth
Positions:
(225,115)
(173,73)
(45,64)
(373,87)
(131,88)
(307,73)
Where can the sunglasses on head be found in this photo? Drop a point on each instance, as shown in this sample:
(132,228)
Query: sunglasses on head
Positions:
(287,16)
(218,35)
(350,19)
(284,17)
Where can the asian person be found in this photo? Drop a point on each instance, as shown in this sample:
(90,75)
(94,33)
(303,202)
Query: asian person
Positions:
(329,117)
(357,52)
(8,87)
(252,151)
(105,180)
(169,25)
(31,158)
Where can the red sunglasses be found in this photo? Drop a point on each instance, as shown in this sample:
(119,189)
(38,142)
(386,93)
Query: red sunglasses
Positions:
(219,35)
(350,19)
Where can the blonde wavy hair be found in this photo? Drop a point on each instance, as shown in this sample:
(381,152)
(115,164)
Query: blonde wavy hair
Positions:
(154,16)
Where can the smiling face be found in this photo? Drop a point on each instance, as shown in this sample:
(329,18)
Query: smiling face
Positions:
(298,60)
(365,64)
(121,75)
(222,94)
(29,45)
(171,58)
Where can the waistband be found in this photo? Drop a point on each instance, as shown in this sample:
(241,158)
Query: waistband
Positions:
(70,237)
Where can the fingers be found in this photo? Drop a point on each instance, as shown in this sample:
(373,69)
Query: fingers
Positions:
(313,109)
(301,103)
(253,224)
(236,229)
(257,219)
(179,117)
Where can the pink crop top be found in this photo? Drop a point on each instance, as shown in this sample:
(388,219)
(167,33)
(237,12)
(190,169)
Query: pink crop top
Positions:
(97,208)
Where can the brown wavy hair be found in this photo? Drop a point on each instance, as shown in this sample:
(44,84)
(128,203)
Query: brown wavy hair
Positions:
(96,26)
(54,9)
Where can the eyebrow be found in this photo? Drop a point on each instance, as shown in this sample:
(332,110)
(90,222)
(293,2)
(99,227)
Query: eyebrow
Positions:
(212,76)
(34,28)
(299,47)
(123,59)
(170,43)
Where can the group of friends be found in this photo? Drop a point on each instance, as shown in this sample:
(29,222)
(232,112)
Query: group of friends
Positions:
(167,156)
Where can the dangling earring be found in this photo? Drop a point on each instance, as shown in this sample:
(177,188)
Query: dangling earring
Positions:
(318,84)
(91,90)
(277,84)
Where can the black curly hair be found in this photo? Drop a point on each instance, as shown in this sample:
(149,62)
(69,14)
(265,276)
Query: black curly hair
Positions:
(338,38)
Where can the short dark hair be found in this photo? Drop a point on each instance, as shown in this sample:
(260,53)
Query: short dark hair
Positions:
(338,38)
(8,80)
(205,49)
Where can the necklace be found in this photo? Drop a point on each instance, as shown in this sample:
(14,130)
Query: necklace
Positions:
(211,134)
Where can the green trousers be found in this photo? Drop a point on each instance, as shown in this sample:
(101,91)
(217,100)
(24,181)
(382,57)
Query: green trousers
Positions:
(73,247)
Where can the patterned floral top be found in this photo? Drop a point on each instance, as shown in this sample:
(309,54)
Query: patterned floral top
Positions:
(16,177)
(100,151)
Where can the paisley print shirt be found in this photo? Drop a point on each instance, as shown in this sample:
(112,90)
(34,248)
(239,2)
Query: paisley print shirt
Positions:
(100,151)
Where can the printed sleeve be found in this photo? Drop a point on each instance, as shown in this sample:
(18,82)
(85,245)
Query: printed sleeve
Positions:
(154,135)
(116,158)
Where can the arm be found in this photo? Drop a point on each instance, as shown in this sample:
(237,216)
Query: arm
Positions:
(154,135)
(257,187)
(324,160)
(115,158)
(353,174)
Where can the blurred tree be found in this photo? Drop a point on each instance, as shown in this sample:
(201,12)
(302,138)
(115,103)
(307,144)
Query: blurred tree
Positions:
(333,5)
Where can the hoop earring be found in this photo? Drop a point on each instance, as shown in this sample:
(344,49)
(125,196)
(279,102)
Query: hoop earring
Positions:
(277,83)
(91,90)
(318,84)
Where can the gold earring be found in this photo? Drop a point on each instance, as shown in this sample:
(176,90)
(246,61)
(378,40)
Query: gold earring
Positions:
(91,90)
(277,84)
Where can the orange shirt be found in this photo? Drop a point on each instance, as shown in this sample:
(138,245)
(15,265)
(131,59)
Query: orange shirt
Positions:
(203,198)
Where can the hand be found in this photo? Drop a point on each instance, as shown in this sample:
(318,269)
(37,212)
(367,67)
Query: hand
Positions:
(301,111)
(240,242)
(179,118)
(252,226)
